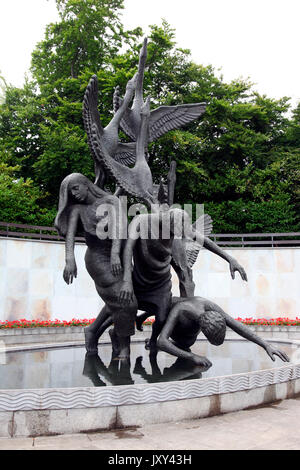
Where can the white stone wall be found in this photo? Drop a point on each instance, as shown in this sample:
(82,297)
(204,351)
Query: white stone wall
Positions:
(32,287)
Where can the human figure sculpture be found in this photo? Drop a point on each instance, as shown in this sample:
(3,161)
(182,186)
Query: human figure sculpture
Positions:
(188,317)
(150,281)
(148,285)
(79,203)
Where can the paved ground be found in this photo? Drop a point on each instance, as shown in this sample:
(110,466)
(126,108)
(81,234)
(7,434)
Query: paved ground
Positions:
(272,427)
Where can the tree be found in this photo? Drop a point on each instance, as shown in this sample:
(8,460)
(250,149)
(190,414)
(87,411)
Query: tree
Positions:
(20,200)
(20,116)
(41,127)
(88,35)
(241,158)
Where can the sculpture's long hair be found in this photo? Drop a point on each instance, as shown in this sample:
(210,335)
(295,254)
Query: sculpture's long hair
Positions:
(66,201)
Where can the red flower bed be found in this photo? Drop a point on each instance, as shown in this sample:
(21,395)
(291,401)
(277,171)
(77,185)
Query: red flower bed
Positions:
(280,321)
(23,323)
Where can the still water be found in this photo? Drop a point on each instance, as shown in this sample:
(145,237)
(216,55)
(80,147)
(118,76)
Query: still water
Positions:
(70,367)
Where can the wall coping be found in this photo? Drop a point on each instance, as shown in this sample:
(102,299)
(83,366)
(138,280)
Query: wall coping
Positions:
(223,247)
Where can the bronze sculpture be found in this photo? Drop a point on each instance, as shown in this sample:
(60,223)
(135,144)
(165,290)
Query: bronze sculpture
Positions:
(188,317)
(150,281)
(78,203)
(109,261)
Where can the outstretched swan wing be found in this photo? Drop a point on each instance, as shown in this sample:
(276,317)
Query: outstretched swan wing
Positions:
(204,225)
(163,119)
(91,114)
(125,152)
(166,118)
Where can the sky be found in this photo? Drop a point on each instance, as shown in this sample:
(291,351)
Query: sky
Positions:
(257,39)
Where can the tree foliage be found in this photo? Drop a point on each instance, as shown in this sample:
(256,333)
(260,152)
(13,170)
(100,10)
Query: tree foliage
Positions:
(241,159)
(21,200)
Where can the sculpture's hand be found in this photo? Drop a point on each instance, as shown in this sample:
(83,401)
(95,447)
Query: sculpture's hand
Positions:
(276,352)
(126,293)
(70,271)
(235,266)
(201,361)
(115,264)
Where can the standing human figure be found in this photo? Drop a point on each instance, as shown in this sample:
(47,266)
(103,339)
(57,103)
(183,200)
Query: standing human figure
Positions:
(150,246)
(83,204)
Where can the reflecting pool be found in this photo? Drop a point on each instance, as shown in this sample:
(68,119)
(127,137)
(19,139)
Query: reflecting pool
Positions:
(70,366)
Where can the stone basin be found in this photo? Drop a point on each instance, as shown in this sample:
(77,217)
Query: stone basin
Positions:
(57,390)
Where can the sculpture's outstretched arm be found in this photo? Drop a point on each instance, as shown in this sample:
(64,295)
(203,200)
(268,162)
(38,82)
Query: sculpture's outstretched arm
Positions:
(70,270)
(214,248)
(245,332)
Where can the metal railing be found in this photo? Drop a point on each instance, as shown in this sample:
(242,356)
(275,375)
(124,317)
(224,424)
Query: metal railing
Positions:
(257,239)
(38,232)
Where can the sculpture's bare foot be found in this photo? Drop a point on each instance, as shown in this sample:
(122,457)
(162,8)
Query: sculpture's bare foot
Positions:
(91,342)
(151,345)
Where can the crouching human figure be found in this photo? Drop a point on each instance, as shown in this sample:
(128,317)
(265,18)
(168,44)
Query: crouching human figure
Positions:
(189,316)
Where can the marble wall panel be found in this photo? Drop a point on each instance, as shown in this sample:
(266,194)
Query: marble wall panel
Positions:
(41,282)
(32,286)
(17,281)
(3,250)
(41,309)
(15,308)
(285,260)
(18,254)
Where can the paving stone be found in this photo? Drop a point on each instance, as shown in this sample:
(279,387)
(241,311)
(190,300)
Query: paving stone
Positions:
(271,427)
(16,443)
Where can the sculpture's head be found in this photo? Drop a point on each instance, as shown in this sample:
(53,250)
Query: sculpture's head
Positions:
(74,189)
(213,326)
(78,187)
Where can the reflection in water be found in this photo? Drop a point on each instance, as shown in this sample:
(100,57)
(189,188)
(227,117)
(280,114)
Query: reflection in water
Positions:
(118,372)
(182,369)
(69,367)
